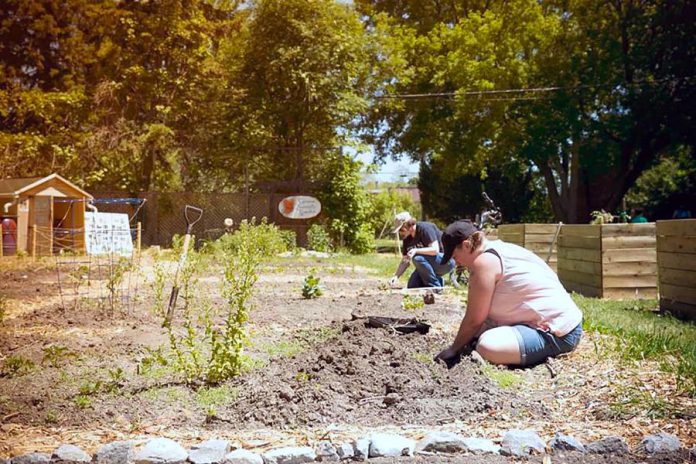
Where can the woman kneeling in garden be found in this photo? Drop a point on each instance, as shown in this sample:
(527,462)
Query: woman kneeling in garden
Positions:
(518,312)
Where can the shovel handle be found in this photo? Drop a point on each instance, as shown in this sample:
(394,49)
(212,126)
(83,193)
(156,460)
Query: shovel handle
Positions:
(192,216)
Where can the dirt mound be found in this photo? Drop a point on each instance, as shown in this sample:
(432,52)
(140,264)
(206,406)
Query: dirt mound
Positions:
(372,377)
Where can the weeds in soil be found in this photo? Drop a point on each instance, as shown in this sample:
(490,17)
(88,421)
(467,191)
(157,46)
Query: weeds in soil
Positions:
(302,376)
(51,417)
(412,302)
(17,365)
(210,399)
(503,377)
(310,287)
(639,333)
(82,402)
(55,355)
(424,358)
(632,401)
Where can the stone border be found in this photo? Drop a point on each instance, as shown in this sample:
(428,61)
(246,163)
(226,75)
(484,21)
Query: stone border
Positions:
(515,442)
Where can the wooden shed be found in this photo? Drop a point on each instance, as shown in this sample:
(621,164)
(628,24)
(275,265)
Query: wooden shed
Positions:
(676,258)
(609,260)
(49,213)
(537,238)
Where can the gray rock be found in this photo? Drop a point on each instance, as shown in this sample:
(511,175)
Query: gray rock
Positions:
(521,443)
(346,450)
(242,456)
(693,452)
(290,455)
(387,445)
(361,448)
(481,446)
(326,452)
(70,454)
(563,442)
(659,443)
(209,452)
(442,442)
(161,451)
(118,452)
(31,458)
(608,445)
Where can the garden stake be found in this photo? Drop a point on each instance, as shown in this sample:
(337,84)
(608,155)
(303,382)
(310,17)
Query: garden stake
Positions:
(182,260)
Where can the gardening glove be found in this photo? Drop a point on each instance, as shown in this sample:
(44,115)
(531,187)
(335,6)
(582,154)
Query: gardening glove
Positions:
(449,356)
(394,282)
(411,253)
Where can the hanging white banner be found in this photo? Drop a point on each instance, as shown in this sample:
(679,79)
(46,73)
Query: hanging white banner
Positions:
(107,233)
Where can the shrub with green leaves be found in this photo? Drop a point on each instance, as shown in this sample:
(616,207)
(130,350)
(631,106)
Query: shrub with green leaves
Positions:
(267,238)
(318,238)
(17,365)
(310,287)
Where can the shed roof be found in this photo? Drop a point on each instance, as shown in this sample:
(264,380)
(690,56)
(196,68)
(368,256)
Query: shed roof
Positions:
(16,187)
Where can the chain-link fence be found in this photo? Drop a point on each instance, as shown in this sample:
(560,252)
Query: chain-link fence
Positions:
(162,213)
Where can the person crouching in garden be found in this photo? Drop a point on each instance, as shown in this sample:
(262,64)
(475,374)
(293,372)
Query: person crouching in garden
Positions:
(518,312)
(420,244)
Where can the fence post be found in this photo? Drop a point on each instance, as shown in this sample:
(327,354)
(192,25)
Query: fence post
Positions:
(139,235)
(33,242)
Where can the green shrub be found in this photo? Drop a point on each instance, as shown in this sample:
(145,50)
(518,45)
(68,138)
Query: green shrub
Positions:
(310,287)
(385,205)
(267,238)
(318,238)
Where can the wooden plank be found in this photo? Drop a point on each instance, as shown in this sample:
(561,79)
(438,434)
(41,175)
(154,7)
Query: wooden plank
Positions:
(538,247)
(580,230)
(579,254)
(678,308)
(637,281)
(632,230)
(614,243)
(629,269)
(586,290)
(585,278)
(531,229)
(678,277)
(629,255)
(677,227)
(539,238)
(588,267)
(630,293)
(676,261)
(679,293)
(589,243)
(677,244)
(511,229)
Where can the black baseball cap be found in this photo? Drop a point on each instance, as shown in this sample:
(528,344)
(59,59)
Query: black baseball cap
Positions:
(455,234)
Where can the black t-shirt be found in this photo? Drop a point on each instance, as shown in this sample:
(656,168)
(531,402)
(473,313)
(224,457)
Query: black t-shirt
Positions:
(426,233)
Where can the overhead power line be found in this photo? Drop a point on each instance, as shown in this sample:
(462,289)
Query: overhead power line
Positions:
(514,94)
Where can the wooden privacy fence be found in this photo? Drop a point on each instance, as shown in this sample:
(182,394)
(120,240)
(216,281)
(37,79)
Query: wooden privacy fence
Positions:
(676,258)
(609,260)
(538,238)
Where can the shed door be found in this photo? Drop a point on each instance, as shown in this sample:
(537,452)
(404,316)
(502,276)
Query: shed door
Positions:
(44,225)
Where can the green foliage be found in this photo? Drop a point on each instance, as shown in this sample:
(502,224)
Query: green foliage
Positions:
(318,238)
(385,205)
(601,217)
(267,239)
(82,401)
(348,206)
(116,272)
(310,286)
(56,354)
(412,302)
(17,365)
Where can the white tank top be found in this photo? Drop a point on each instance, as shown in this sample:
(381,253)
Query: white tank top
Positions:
(530,293)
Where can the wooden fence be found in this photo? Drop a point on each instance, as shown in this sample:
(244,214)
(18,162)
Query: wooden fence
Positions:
(609,260)
(538,238)
(676,258)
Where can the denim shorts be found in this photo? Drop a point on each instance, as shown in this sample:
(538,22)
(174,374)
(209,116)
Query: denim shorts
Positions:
(537,345)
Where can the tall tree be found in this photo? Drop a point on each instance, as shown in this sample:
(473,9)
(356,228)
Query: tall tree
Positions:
(302,71)
(618,80)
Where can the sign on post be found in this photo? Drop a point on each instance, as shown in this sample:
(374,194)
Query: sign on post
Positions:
(299,207)
(108,233)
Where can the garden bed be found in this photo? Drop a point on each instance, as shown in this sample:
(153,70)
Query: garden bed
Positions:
(314,371)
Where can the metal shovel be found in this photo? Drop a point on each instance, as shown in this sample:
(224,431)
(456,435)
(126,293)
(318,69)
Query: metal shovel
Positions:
(192,216)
